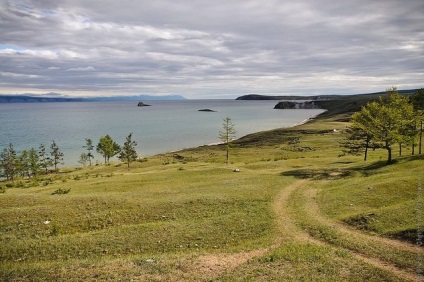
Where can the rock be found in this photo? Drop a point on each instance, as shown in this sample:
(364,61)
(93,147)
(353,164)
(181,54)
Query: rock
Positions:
(296,105)
(207,110)
(141,104)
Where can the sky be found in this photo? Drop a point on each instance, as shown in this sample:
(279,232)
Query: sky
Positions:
(210,49)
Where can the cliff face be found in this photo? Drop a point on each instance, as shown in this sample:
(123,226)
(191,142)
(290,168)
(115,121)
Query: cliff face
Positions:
(296,105)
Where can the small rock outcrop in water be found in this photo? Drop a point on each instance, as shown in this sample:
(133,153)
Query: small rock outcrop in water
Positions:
(207,110)
(296,105)
(141,104)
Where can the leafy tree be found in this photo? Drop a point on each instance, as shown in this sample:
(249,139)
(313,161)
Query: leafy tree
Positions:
(385,120)
(357,142)
(226,135)
(90,147)
(107,147)
(57,155)
(33,162)
(128,153)
(45,160)
(9,162)
(417,101)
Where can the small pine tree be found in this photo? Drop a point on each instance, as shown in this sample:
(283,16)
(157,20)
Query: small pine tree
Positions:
(90,147)
(227,134)
(45,161)
(128,153)
(9,162)
(83,159)
(57,155)
(33,162)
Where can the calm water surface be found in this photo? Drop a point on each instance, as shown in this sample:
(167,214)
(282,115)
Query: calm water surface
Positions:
(165,126)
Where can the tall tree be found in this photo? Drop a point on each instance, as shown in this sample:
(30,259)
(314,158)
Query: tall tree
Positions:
(385,120)
(227,134)
(9,162)
(45,160)
(417,101)
(128,153)
(57,155)
(90,147)
(107,147)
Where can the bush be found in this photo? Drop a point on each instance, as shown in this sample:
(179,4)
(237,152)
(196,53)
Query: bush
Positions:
(61,191)
(2,189)
(9,185)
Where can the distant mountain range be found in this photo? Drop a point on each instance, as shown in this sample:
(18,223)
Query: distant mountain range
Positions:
(54,97)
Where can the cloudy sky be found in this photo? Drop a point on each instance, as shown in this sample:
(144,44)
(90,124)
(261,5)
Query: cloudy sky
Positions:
(210,49)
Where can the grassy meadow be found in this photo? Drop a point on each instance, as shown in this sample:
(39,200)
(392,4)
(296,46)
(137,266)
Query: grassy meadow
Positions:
(293,211)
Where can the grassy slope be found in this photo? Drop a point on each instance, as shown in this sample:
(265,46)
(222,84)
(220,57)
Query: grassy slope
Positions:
(285,215)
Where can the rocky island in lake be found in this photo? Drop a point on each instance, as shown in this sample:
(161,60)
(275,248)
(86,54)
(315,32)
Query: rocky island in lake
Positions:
(141,104)
(207,110)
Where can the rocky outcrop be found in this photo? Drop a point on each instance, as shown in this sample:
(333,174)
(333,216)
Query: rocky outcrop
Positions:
(207,110)
(296,105)
(141,104)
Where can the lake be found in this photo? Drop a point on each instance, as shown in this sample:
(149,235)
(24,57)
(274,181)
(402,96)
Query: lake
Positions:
(163,127)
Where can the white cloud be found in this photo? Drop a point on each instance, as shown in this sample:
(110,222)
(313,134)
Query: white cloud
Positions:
(89,68)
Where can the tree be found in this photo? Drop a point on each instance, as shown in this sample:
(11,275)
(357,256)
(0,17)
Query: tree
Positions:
(107,147)
(90,147)
(9,162)
(417,101)
(128,153)
(33,162)
(57,155)
(385,120)
(45,161)
(226,135)
(83,159)
(23,164)
(357,142)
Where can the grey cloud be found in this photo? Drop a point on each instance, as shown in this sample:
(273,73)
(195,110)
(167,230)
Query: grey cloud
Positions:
(216,47)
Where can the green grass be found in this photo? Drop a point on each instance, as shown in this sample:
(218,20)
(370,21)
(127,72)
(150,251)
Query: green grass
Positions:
(306,262)
(187,216)
(383,201)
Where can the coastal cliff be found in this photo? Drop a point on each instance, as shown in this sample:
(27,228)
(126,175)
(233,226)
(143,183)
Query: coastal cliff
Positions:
(296,105)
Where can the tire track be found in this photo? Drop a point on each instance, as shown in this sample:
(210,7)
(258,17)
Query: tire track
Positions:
(312,210)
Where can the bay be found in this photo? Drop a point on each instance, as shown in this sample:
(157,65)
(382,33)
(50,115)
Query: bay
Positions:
(162,127)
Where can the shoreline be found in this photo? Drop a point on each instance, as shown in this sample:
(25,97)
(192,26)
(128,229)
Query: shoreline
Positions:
(219,143)
(159,130)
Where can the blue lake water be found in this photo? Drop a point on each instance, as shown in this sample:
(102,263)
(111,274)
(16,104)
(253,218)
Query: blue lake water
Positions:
(164,126)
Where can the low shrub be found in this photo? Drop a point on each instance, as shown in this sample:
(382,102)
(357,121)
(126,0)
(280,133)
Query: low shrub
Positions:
(61,191)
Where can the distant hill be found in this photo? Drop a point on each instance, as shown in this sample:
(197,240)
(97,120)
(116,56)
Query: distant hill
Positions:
(267,97)
(338,107)
(139,97)
(28,98)
(344,106)
(315,97)
(35,99)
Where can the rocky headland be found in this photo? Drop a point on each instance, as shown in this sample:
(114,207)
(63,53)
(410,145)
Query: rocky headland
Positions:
(297,105)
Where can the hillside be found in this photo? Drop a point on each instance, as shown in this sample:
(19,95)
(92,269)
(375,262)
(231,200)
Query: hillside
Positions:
(287,208)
